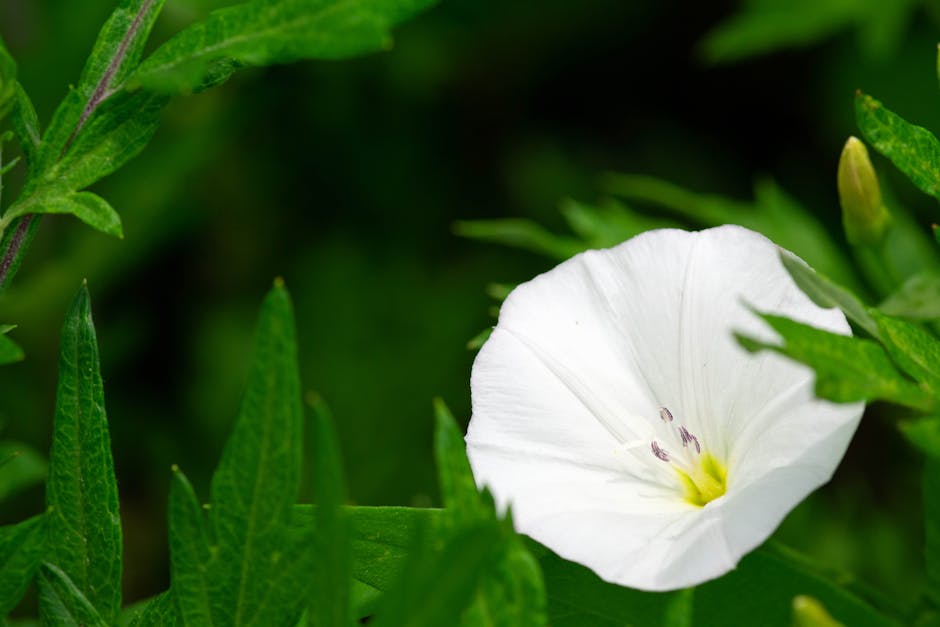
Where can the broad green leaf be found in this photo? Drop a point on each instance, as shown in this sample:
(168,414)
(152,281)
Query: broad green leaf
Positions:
(931,495)
(114,56)
(826,293)
(917,299)
(160,611)
(436,586)
(610,224)
(520,233)
(330,602)
(764,584)
(91,209)
(10,352)
(264,32)
(914,150)
(254,580)
(7,80)
(913,349)
(62,603)
(25,125)
(189,553)
(20,467)
(82,490)
(458,489)
(847,369)
(773,213)
(577,597)
(21,548)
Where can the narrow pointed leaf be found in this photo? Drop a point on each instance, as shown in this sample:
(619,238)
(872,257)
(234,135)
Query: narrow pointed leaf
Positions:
(914,150)
(913,349)
(917,299)
(7,80)
(10,352)
(21,548)
(256,483)
(82,489)
(263,32)
(826,293)
(25,125)
(115,54)
(189,553)
(847,369)
(90,208)
(523,234)
(330,602)
(20,467)
(62,603)
(458,489)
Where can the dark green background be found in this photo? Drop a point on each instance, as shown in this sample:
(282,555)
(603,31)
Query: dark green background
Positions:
(346,177)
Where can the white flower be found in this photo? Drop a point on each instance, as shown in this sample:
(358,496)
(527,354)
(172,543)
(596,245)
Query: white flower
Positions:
(570,423)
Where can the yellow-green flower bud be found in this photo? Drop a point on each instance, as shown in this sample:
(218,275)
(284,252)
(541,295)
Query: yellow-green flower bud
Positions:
(808,612)
(864,215)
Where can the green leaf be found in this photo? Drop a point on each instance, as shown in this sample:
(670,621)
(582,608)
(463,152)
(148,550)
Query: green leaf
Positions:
(21,548)
(20,467)
(62,603)
(160,611)
(91,209)
(764,584)
(115,55)
(259,573)
(7,80)
(82,490)
(437,585)
(679,609)
(330,603)
(10,352)
(458,489)
(923,433)
(520,233)
(189,553)
(913,349)
(25,125)
(847,369)
(917,299)
(773,213)
(914,150)
(264,32)
(931,492)
(13,244)
(826,293)
(610,224)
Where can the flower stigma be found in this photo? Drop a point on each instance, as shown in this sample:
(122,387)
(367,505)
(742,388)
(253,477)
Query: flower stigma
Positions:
(701,476)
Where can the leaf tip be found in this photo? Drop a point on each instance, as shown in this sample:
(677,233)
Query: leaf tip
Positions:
(279,283)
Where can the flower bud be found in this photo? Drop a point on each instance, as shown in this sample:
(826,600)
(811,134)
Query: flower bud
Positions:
(808,612)
(864,216)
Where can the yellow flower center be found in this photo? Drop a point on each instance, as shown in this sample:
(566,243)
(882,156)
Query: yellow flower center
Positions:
(706,482)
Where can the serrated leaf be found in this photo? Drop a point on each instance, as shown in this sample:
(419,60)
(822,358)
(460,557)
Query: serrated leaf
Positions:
(436,586)
(62,603)
(21,548)
(914,150)
(90,208)
(848,369)
(264,32)
(520,233)
(189,553)
(160,611)
(330,602)
(917,299)
(773,213)
(255,579)
(913,349)
(82,490)
(825,293)
(20,467)
(115,55)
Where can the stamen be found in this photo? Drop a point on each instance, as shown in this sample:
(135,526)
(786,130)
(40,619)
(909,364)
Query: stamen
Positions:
(665,414)
(688,437)
(658,452)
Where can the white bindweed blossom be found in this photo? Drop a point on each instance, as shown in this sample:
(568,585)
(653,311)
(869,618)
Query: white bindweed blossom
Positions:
(614,411)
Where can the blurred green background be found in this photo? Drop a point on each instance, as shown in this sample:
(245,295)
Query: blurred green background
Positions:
(346,177)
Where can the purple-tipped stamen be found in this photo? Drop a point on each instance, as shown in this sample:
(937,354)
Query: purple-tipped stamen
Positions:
(665,414)
(688,437)
(658,452)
